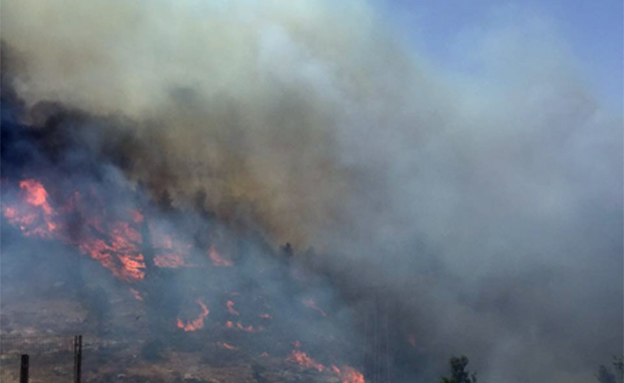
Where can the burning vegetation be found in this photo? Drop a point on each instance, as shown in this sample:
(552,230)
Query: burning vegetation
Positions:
(160,258)
(270,191)
(136,248)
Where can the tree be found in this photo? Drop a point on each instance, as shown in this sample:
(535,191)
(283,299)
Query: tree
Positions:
(459,374)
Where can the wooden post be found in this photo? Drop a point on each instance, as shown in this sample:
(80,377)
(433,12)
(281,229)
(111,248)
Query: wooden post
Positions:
(77,358)
(24,369)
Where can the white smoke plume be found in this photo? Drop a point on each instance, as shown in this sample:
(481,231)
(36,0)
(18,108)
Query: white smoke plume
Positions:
(491,203)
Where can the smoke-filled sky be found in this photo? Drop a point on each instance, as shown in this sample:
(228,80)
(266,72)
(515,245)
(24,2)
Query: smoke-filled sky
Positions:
(591,30)
(475,162)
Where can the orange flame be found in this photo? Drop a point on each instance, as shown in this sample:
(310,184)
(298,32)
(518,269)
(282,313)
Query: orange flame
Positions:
(120,253)
(115,245)
(231,310)
(240,326)
(217,259)
(346,374)
(249,328)
(170,261)
(228,346)
(137,295)
(37,217)
(137,217)
(197,323)
(309,303)
(302,359)
(171,251)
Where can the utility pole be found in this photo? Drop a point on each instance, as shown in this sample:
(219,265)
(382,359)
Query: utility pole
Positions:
(24,369)
(77,358)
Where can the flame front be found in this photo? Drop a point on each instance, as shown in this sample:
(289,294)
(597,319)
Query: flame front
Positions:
(171,252)
(228,346)
(302,359)
(231,310)
(240,326)
(36,217)
(113,243)
(346,374)
(197,323)
(310,303)
(217,259)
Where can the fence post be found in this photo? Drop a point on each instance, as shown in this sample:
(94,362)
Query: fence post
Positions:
(24,369)
(77,358)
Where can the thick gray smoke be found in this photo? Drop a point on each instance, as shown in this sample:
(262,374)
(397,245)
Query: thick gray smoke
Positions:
(490,204)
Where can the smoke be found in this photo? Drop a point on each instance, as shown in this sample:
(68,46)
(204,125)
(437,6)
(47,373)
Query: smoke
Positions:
(488,203)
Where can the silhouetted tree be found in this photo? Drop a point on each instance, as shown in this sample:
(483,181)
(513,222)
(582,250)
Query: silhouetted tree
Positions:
(459,374)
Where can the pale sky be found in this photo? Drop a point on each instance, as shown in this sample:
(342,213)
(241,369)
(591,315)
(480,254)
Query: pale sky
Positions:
(593,31)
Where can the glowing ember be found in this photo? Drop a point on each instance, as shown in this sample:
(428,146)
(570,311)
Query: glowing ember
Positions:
(249,328)
(266,316)
(228,346)
(411,340)
(240,326)
(230,307)
(137,295)
(309,303)
(197,323)
(264,354)
(217,259)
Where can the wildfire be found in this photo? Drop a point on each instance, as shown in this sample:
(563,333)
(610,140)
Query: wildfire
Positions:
(240,326)
(115,244)
(197,323)
(171,261)
(36,195)
(302,359)
(36,217)
(231,310)
(114,239)
(228,346)
(217,259)
(171,252)
(120,253)
(137,217)
(346,374)
(310,303)
(137,295)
